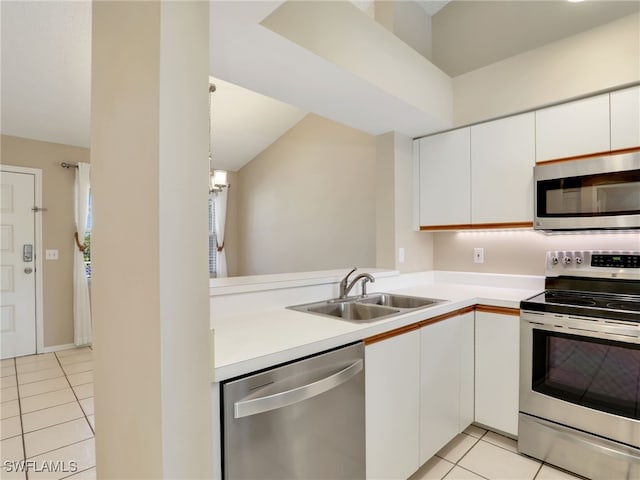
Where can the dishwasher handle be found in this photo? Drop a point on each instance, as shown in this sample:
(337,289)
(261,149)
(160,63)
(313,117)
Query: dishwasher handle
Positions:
(254,406)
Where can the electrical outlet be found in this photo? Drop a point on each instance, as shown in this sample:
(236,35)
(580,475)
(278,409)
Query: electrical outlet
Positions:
(401,255)
(51,255)
(478,255)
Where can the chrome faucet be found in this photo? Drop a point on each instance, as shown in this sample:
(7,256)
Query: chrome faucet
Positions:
(345,286)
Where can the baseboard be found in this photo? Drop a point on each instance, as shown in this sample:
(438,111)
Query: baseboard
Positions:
(57,348)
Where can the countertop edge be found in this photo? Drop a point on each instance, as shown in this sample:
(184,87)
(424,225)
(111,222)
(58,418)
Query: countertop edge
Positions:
(236,369)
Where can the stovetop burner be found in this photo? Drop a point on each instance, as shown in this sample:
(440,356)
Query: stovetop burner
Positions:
(568,298)
(590,304)
(590,299)
(630,306)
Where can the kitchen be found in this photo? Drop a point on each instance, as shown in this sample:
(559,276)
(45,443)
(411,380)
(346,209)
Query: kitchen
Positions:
(492,244)
(512,249)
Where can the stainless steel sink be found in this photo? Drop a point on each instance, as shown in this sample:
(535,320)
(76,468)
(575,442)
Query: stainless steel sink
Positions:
(375,306)
(399,301)
(352,310)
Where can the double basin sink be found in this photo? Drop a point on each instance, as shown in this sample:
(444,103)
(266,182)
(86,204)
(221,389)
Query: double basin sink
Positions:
(375,306)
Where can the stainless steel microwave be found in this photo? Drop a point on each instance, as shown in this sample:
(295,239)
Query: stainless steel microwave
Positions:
(599,193)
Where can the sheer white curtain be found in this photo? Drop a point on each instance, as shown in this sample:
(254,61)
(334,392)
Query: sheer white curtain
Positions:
(220,205)
(81,303)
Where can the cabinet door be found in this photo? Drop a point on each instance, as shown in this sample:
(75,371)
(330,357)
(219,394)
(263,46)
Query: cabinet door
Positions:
(392,376)
(467,370)
(497,371)
(571,129)
(625,118)
(502,160)
(445,179)
(439,386)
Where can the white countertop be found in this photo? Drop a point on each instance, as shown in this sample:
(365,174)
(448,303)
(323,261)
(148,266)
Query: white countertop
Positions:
(263,337)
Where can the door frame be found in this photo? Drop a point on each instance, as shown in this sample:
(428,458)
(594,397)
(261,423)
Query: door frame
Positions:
(37,173)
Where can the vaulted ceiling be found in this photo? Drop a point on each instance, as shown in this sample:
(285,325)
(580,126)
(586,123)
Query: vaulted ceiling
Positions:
(46,65)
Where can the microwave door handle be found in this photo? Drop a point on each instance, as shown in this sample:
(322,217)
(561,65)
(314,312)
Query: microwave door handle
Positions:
(254,406)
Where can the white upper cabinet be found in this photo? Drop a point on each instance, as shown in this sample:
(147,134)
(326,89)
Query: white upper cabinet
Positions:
(502,161)
(445,178)
(573,129)
(625,118)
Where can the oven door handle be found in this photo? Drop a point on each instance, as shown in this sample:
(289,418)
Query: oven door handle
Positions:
(573,326)
(594,446)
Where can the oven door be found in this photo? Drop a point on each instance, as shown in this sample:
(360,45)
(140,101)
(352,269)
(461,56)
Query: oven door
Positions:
(583,373)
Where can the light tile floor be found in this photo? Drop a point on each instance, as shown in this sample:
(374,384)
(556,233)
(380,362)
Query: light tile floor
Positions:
(46,416)
(47,421)
(480,454)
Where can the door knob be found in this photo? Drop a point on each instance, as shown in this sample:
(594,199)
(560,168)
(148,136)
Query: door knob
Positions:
(28,270)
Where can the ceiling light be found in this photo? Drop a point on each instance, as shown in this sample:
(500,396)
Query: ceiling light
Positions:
(575,1)
(219,180)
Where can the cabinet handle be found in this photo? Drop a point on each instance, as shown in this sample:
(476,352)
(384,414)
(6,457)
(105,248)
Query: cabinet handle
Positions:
(254,406)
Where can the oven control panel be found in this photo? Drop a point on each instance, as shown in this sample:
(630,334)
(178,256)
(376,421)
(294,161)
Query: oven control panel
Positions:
(594,263)
(615,261)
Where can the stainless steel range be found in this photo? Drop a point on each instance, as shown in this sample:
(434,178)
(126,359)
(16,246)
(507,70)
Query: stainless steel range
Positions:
(580,365)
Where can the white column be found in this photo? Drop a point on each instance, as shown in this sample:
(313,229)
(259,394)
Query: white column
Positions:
(149,244)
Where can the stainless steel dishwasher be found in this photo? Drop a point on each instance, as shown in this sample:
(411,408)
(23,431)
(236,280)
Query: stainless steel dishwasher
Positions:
(302,420)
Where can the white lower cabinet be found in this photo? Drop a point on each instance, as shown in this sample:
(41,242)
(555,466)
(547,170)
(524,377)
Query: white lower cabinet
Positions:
(392,376)
(446,382)
(419,394)
(497,358)
(467,369)
(439,386)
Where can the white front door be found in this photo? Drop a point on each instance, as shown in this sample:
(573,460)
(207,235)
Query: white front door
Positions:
(18,284)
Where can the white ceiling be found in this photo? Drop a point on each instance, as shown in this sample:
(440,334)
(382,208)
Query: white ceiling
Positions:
(46,68)
(244,123)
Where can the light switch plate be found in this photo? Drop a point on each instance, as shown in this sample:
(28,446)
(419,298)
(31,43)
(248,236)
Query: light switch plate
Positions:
(51,255)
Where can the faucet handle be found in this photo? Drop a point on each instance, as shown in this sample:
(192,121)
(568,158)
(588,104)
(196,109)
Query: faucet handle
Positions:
(349,274)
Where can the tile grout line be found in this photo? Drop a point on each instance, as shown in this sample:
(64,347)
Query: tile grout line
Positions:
(50,406)
(538,471)
(60,448)
(24,446)
(471,448)
(76,396)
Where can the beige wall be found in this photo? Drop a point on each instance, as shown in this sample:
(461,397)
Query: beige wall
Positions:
(231,238)
(599,59)
(418,246)
(58,226)
(407,21)
(518,252)
(394,208)
(308,201)
(385,201)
